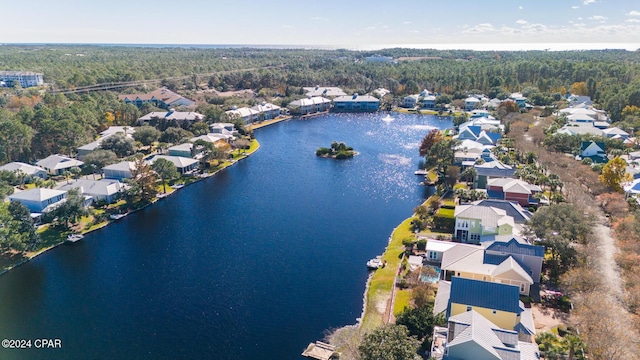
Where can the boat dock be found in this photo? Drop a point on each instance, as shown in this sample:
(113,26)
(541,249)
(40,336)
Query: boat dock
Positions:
(319,350)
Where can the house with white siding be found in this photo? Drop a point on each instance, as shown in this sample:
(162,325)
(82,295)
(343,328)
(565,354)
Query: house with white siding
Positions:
(310,105)
(356,103)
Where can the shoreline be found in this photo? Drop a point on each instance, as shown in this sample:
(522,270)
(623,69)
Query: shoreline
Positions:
(34,255)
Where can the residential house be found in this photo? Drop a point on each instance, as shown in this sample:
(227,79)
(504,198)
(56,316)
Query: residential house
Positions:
(513,190)
(29,170)
(519,214)
(429,102)
(410,101)
(632,188)
(356,103)
(24,78)
(472,262)
(472,336)
(519,99)
(267,111)
(120,171)
(84,150)
(327,91)
(182,164)
(220,141)
(596,151)
(57,164)
(498,248)
(180,117)
(496,302)
(491,170)
(476,133)
(310,105)
(162,98)
(581,118)
(474,221)
(579,128)
(494,103)
(471,103)
(223,128)
(616,133)
(436,248)
(247,115)
(99,190)
(379,59)
(184,150)
(40,200)
(468,151)
(575,100)
(380,92)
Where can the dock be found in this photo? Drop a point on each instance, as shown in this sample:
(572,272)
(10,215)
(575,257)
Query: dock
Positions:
(319,350)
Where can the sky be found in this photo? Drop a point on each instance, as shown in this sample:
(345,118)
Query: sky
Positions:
(482,25)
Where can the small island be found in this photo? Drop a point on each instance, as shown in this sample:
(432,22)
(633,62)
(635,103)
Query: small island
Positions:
(336,151)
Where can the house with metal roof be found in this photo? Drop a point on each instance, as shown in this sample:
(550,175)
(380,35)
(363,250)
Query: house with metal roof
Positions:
(29,170)
(596,151)
(498,303)
(309,105)
(473,336)
(471,262)
(410,101)
(498,248)
(356,103)
(513,190)
(84,150)
(182,164)
(435,249)
(57,164)
(120,171)
(99,190)
(471,103)
(220,141)
(40,200)
(615,132)
(579,128)
(519,214)
(267,111)
(184,150)
(474,221)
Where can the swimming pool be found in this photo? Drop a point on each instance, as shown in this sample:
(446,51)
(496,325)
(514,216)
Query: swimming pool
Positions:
(430,274)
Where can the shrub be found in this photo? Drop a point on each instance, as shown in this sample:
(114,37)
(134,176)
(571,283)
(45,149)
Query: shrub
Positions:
(421,244)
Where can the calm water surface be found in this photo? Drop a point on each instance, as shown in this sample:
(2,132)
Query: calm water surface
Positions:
(253,263)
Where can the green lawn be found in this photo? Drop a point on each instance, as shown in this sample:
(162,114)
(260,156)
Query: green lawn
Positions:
(449,213)
(403,299)
(460,186)
(432,175)
(382,280)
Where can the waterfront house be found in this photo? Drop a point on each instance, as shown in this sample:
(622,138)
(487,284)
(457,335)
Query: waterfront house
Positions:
(429,102)
(471,103)
(473,262)
(471,336)
(227,129)
(310,105)
(513,190)
(99,190)
(184,150)
(57,164)
(596,151)
(474,221)
(182,164)
(161,98)
(220,141)
(24,78)
(410,101)
(179,117)
(29,170)
(247,115)
(326,91)
(39,200)
(436,248)
(498,303)
(120,171)
(469,133)
(491,170)
(267,111)
(356,103)
(519,214)
(380,92)
(498,248)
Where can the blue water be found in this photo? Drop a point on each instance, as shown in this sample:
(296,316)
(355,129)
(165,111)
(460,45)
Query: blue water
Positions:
(253,263)
(430,279)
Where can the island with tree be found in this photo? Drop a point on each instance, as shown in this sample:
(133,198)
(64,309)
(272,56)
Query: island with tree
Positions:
(338,150)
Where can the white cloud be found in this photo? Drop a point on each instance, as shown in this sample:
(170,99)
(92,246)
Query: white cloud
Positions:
(575,7)
(632,21)
(634,13)
(522,22)
(406,23)
(286,26)
(370,28)
(520,7)
(587,2)
(598,17)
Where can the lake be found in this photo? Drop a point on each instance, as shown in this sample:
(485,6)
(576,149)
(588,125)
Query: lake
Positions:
(252,263)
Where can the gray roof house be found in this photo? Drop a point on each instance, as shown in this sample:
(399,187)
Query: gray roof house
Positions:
(105,190)
(171,115)
(57,164)
(119,171)
(40,200)
(529,256)
(29,170)
(491,170)
(183,164)
(513,209)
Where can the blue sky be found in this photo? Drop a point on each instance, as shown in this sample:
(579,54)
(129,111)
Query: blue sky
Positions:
(344,23)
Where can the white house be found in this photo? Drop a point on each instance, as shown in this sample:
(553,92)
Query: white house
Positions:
(25,78)
(356,103)
(328,91)
(29,170)
(267,111)
(410,101)
(247,115)
(471,103)
(39,200)
(171,115)
(57,164)
(309,105)
(105,190)
(182,164)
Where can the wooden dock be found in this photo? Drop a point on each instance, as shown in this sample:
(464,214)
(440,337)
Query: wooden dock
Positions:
(319,350)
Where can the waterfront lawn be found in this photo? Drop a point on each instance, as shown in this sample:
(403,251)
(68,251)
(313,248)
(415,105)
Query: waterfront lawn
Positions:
(403,299)
(445,212)
(381,283)
(432,175)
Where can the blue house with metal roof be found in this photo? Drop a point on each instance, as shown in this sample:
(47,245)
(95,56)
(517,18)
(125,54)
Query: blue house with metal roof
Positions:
(529,257)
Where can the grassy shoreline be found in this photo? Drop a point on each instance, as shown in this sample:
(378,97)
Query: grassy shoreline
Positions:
(54,238)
